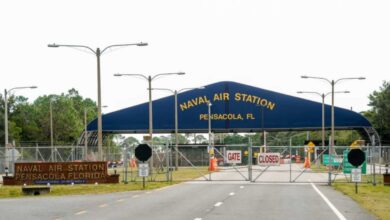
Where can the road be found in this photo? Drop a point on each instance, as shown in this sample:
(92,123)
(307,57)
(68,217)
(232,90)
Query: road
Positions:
(194,201)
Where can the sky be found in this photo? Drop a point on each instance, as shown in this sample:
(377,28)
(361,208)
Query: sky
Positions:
(266,44)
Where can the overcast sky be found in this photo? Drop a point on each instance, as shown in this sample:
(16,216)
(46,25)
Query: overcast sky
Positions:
(267,44)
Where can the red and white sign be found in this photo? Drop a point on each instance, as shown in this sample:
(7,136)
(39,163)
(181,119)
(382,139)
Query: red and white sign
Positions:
(269,159)
(233,156)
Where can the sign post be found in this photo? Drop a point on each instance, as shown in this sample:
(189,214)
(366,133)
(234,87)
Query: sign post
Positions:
(356,177)
(143,170)
(143,152)
(356,157)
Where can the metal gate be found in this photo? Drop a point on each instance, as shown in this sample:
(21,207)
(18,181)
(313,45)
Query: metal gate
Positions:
(297,164)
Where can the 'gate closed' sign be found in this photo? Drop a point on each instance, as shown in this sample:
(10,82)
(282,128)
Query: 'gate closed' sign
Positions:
(233,156)
(269,159)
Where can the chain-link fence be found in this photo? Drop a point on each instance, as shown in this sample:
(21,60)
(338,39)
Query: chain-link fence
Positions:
(239,162)
(10,156)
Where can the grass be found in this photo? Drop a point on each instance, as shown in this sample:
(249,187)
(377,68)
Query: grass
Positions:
(319,169)
(181,175)
(375,199)
(61,190)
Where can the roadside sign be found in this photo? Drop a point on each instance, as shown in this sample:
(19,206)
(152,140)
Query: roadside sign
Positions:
(356,175)
(334,160)
(143,169)
(143,152)
(233,156)
(311,146)
(347,167)
(269,159)
(210,150)
(356,157)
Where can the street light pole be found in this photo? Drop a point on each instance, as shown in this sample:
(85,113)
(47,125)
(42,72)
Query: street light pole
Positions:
(209,121)
(331,146)
(150,113)
(176,134)
(150,79)
(86,131)
(210,148)
(6,119)
(98,53)
(322,95)
(51,131)
(175,92)
(85,135)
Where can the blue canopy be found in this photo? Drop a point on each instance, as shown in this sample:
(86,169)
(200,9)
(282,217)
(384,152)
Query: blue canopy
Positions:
(235,108)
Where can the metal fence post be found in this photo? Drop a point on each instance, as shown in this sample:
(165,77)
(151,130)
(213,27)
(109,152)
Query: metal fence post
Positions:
(330,162)
(373,159)
(36,151)
(167,160)
(290,157)
(250,160)
(126,163)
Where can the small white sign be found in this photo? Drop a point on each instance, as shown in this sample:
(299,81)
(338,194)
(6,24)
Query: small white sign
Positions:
(233,156)
(356,175)
(143,169)
(269,159)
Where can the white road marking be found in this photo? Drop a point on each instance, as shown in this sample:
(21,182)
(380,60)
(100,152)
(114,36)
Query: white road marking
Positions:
(287,183)
(197,218)
(103,205)
(120,200)
(166,187)
(231,194)
(80,213)
(218,204)
(241,187)
(148,192)
(135,196)
(334,209)
(217,182)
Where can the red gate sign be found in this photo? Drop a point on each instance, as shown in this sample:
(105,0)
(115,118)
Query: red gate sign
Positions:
(233,156)
(269,159)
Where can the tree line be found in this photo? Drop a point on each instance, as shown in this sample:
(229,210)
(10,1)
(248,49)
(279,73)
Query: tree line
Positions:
(29,123)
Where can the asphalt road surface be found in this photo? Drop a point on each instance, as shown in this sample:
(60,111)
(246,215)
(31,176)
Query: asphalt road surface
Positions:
(200,200)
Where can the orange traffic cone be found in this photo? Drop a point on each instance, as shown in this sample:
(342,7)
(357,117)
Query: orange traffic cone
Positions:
(133,163)
(213,164)
(307,163)
(215,161)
